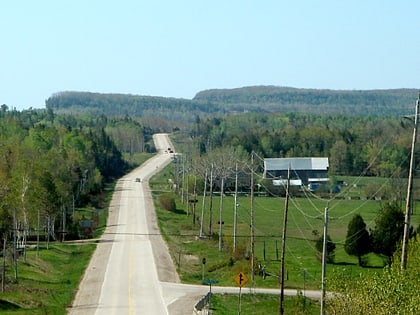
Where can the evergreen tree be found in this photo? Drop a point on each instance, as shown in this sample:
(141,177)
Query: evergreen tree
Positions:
(388,231)
(357,239)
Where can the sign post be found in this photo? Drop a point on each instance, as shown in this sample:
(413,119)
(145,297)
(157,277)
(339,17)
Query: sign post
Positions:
(210,282)
(202,270)
(240,279)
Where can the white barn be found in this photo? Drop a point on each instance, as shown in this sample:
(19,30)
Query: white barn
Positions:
(303,170)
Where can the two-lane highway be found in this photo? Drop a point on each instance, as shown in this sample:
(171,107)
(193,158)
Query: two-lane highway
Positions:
(123,271)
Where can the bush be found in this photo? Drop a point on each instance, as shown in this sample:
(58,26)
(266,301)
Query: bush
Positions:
(167,202)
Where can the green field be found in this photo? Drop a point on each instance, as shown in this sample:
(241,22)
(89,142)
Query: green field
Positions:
(304,226)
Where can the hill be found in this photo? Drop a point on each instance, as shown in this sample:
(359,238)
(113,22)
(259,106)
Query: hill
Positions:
(395,102)
(166,113)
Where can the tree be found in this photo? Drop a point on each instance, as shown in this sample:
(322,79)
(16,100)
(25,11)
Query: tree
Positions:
(388,231)
(357,239)
(387,291)
(319,245)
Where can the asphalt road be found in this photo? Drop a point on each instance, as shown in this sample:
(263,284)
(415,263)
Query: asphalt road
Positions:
(131,271)
(123,277)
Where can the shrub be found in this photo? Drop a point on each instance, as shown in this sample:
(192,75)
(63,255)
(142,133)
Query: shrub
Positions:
(330,248)
(167,202)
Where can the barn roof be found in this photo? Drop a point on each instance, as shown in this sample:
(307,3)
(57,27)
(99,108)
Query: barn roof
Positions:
(302,163)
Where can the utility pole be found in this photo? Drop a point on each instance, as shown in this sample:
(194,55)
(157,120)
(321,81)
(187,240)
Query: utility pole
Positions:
(211,203)
(63,236)
(324,259)
(203,206)
(283,242)
(222,184)
(3,271)
(37,232)
(194,200)
(408,206)
(252,222)
(15,252)
(183,179)
(235,210)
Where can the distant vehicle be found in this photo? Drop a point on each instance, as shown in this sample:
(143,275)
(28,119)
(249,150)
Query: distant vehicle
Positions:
(138,179)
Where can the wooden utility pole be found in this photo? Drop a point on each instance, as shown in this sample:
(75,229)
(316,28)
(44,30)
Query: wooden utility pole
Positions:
(408,206)
(37,231)
(15,252)
(283,242)
(222,184)
(194,200)
(324,259)
(203,206)
(3,271)
(252,222)
(235,210)
(211,203)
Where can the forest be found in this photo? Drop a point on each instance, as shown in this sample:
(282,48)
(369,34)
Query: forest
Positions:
(51,164)
(175,113)
(371,146)
(274,99)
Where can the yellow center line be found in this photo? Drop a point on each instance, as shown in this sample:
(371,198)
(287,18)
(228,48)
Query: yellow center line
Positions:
(130,287)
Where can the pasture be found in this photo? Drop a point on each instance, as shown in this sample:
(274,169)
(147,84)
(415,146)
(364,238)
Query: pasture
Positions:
(181,229)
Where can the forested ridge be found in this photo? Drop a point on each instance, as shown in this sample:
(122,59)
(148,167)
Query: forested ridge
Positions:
(170,112)
(161,112)
(391,102)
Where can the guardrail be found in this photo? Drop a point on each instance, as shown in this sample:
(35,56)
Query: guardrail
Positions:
(201,308)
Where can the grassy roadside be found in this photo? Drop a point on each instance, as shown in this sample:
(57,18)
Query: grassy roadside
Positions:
(47,280)
(46,284)
(264,304)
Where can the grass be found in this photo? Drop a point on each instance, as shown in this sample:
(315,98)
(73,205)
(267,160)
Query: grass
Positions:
(46,284)
(304,226)
(264,304)
(47,281)
(305,223)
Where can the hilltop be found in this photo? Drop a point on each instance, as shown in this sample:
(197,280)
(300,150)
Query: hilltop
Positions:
(217,102)
(394,102)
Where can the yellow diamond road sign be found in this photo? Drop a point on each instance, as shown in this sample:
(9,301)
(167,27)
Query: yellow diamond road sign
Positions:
(241,279)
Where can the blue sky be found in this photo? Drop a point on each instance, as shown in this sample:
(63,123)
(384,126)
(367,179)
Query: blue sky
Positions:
(178,48)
